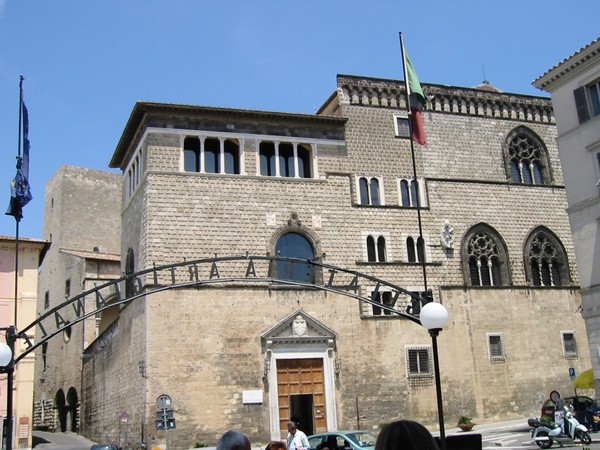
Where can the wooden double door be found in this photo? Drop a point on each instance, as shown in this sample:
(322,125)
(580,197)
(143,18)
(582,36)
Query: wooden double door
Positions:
(301,394)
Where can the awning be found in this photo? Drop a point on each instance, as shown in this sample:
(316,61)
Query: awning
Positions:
(585,380)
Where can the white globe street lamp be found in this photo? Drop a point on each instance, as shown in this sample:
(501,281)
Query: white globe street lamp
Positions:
(434,317)
(5,355)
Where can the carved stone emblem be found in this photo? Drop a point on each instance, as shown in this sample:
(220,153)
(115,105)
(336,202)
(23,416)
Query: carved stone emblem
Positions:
(299,326)
(447,235)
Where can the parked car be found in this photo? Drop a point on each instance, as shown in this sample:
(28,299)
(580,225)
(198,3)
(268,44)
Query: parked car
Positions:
(343,440)
(104,447)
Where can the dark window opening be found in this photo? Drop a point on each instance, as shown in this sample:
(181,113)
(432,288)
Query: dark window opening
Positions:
(295,245)
(212,149)
(232,156)
(410,249)
(267,159)
(286,160)
(191,154)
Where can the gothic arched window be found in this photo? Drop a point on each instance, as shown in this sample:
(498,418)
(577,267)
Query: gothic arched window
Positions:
(485,261)
(546,260)
(527,158)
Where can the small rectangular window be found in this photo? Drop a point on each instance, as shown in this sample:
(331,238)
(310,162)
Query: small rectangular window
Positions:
(495,347)
(581,105)
(46,299)
(68,288)
(569,344)
(418,362)
(401,126)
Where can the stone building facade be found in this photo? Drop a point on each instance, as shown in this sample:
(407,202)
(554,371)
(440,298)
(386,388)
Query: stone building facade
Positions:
(82,223)
(338,188)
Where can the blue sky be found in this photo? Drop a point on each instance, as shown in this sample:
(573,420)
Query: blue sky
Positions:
(86,62)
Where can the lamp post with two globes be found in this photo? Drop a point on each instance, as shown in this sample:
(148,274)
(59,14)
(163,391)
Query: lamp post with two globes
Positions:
(7,366)
(434,318)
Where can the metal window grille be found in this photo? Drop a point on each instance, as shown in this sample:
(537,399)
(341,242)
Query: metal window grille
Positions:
(569,344)
(496,347)
(402,128)
(418,362)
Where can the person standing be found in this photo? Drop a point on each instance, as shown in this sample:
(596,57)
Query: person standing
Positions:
(296,439)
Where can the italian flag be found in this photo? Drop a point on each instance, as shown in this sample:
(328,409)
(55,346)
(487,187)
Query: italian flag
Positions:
(417,104)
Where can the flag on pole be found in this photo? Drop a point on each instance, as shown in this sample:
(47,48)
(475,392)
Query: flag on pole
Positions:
(417,103)
(20,193)
(416,98)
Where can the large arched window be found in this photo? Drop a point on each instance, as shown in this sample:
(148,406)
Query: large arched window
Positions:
(294,245)
(485,261)
(545,259)
(527,158)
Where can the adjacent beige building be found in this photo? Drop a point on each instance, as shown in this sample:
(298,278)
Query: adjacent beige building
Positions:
(30,254)
(574,84)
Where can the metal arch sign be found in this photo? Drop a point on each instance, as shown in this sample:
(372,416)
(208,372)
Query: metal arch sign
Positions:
(257,270)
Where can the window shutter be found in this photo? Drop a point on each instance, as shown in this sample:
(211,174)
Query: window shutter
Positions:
(581,105)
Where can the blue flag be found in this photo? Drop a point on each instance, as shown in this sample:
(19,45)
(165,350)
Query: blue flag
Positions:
(20,193)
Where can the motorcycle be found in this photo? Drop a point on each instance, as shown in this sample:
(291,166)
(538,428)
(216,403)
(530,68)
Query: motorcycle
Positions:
(545,435)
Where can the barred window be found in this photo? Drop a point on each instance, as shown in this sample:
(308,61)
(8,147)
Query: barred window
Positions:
(401,126)
(418,362)
(569,344)
(496,347)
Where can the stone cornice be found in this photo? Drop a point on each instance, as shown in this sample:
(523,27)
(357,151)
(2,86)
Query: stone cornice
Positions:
(568,67)
(444,99)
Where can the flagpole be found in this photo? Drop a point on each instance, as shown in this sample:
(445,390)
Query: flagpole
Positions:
(414,165)
(434,332)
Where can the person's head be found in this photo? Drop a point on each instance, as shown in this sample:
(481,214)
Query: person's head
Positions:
(233,440)
(276,445)
(292,427)
(405,435)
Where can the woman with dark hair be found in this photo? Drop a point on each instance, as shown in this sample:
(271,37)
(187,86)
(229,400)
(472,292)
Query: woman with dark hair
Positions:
(405,435)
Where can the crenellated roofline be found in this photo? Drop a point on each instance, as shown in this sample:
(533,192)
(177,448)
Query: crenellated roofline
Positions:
(383,93)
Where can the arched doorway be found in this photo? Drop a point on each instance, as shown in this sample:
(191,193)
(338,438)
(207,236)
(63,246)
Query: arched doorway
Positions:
(61,409)
(72,410)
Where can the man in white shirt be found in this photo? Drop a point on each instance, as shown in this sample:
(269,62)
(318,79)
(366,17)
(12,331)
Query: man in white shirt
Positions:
(296,439)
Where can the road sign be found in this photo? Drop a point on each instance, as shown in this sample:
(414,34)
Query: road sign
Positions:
(124,417)
(572,373)
(163,402)
(165,424)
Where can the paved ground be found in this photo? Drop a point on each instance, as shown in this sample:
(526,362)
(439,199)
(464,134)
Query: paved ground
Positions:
(71,441)
(45,440)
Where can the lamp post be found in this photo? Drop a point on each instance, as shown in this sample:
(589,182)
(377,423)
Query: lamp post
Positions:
(7,366)
(434,318)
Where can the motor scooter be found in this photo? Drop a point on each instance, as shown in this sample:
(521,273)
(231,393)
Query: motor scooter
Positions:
(545,435)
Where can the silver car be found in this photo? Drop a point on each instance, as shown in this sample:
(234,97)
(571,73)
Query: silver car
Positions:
(343,440)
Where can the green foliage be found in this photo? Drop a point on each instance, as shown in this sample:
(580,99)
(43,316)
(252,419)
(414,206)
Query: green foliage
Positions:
(200,445)
(464,420)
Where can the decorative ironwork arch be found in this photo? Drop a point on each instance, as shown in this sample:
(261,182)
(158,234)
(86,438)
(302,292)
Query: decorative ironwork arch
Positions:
(199,273)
